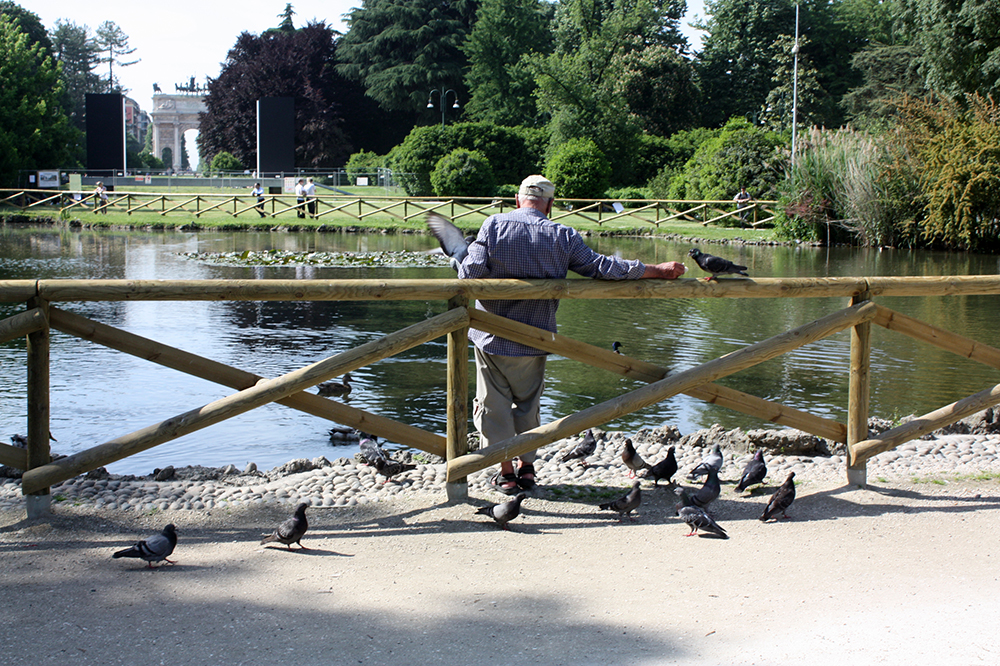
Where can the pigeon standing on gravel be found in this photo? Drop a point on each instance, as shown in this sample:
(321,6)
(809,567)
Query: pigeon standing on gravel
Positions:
(581,451)
(626,504)
(505,512)
(370,450)
(697,518)
(780,500)
(665,469)
(453,241)
(154,549)
(754,472)
(713,460)
(708,493)
(632,459)
(290,531)
(715,265)
(390,468)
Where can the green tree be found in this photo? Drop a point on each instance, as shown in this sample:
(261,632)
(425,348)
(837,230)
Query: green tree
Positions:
(463,173)
(113,43)
(399,50)
(888,72)
(660,88)
(286,24)
(78,54)
(34,129)
(501,87)
(776,112)
(579,170)
(364,163)
(28,23)
(224,162)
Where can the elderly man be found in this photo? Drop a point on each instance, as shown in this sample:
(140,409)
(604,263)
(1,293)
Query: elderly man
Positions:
(509,376)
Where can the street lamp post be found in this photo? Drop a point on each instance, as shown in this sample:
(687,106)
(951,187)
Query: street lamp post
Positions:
(795,83)
(442,100)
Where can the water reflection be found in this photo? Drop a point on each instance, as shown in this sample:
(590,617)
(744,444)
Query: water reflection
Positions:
(99,394)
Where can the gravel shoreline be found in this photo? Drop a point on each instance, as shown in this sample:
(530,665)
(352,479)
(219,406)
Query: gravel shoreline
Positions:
(344,482)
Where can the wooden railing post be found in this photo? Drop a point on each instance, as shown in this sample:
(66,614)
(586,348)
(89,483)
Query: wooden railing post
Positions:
(458,399)
(858,393)
(39,503)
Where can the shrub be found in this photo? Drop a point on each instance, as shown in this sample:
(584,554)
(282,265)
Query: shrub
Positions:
(225,161)
(579,170)
(463,173)
(363,163)
(625,193)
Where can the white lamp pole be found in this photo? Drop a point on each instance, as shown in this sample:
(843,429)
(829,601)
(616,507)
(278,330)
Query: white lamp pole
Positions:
(795,83)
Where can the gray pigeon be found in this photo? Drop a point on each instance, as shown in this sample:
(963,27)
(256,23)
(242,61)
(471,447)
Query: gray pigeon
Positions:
(505,512)
(754,472)
(715,265)
(290,531)
(626,504)
(697,518)
(632,459)
(780,500)
(20,441)
(665,469)
(713,460)
(371,451)
(708,492)
(154,549)
(453,242)
(390,468)
(581,451)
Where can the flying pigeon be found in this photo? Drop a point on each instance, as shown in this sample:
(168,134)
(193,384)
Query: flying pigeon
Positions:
(712,460)
(780,500)
(665,469)
(697,518)
(453,242)
(715,265)
(583,449)
(290,531)
(632,459)
(154,549)
(505,512)
(753,473)
(625,504)
(390,468)
(371,451)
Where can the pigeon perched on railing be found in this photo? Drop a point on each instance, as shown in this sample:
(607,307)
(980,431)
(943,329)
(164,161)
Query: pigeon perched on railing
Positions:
(290,531)
(453,242)
(154,549)
(582,450)
(715,265)
(632,459)
(665,469)
(712,460)
(754,472)
(697,518)
(780,500)
(626,504)
(504,512)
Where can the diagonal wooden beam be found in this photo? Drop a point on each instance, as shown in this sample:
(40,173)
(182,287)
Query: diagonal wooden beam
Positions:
(661,390)
(13,456)
(19,325)
(946,340)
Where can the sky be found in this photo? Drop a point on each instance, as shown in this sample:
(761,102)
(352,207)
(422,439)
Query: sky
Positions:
(180,39)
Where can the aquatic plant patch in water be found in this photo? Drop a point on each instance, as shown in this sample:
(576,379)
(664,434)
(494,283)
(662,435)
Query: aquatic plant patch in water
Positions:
(387,259)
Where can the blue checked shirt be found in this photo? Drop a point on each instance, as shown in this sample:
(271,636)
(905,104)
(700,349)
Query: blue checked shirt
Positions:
(526,244)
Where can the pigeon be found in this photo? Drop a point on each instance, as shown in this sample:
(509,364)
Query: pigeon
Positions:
(697,518)
(715,265)
(632,459)
(390,468)
(371,451)
(712,460)
(20,441)
(453,242)
(665,469)
(754,472)
(708,492)
(335,388)
(625,504)
(780,500)
(290,531)
(505,512)
(154,549)
(582,450)
(615,346)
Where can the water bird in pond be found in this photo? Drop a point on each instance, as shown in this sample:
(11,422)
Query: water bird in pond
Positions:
(754,472)
(625,504)
(632,459)
(290,531)
(665,469)
(154,549)
(334,387)
(504,512)
(715,265)
(781,500)
(697,518)
(583,449)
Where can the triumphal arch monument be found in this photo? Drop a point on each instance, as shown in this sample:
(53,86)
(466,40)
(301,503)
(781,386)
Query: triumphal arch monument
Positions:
(174,114)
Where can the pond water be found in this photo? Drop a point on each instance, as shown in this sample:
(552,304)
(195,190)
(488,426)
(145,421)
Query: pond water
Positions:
(98,394)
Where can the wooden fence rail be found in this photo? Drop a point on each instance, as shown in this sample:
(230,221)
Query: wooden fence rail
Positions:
(858,315)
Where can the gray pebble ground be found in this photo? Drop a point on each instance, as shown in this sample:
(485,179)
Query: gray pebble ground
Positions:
(347,482)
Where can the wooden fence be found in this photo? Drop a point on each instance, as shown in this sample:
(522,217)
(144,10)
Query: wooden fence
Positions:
(251,391)
(652,212)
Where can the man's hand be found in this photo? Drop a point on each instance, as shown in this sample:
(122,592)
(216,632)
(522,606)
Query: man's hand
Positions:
(668,270)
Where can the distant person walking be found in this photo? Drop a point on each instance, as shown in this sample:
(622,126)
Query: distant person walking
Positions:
(101,200)
(300,197)
(311,197)
(742,200)
(258,192)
